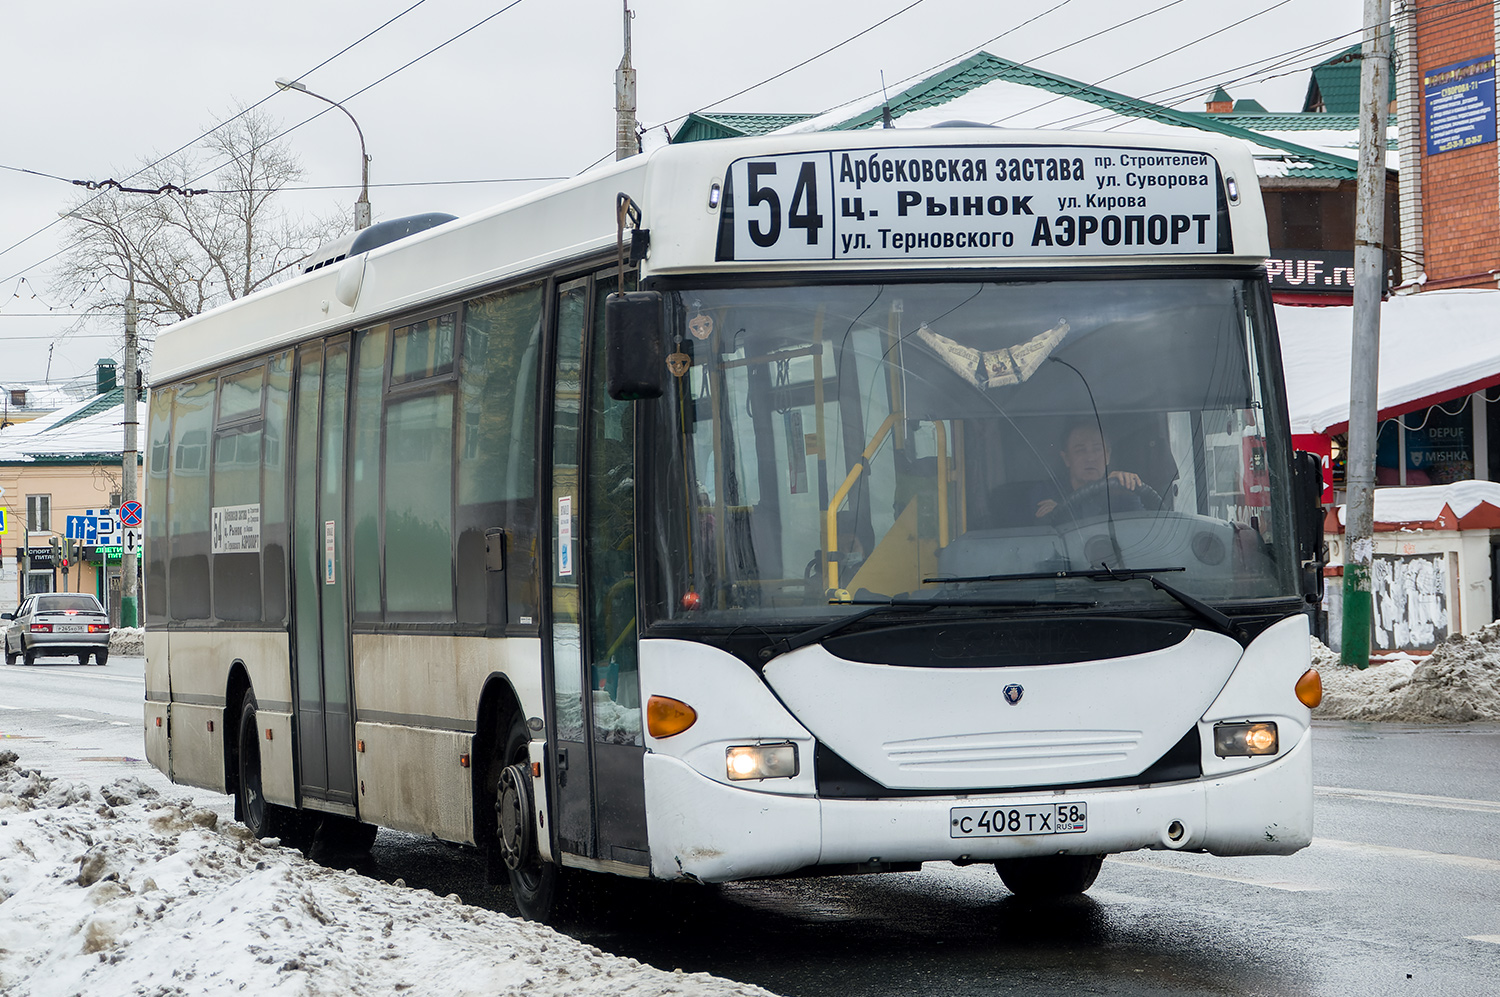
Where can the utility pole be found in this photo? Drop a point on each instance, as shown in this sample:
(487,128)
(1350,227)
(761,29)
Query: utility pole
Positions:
(626,143)
(1369,266)
(128,615)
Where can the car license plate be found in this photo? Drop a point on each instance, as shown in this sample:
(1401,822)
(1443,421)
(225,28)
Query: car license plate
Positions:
(67,628)
(994,822)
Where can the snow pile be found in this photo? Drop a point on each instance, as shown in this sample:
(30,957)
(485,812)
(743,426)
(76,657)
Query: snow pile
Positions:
(127,640)
(129,893)
(1458,682)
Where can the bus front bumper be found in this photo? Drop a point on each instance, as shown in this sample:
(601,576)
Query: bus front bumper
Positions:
(712,832)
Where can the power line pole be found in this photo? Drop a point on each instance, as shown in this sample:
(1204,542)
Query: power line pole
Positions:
(1369,267)
(626,143)
(128,615)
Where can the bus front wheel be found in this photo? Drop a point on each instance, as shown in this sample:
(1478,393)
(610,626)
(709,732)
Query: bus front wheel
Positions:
(1045,876)
(535,885)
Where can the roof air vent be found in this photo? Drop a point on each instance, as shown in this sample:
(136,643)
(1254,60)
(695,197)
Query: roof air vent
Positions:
(384,233)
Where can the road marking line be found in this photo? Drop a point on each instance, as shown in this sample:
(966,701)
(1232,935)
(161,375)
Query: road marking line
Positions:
(1492,939)
(1393,851)
(1411,799)
(69,716)
(120,723)
(1270,884)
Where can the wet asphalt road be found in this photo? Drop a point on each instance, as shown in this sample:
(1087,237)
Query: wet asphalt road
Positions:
(1400,892)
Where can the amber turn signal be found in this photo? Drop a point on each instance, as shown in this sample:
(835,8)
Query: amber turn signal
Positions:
(665,716)
(1310,688)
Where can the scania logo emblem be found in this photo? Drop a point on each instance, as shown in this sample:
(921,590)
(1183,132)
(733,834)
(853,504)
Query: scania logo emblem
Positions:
(1013,693)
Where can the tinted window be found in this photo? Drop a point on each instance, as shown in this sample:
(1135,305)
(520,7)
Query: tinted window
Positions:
(424,349)
(419,506)
(188,501)
(273,516)
(364,471)
(68,603)
(160,459)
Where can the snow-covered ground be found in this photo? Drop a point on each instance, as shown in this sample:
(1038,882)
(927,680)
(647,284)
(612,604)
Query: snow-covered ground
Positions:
(127,640)
(1458,682)
(119,890)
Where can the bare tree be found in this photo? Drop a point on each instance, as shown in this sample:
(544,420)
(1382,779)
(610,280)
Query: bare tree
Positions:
(186,254)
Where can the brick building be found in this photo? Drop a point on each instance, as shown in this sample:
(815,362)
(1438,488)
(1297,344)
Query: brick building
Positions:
(1450,212)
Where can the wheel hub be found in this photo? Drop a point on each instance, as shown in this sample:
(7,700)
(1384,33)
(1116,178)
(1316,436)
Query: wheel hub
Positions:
(513,817)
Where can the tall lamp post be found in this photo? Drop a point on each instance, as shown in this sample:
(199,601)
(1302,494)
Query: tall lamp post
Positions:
(361,206)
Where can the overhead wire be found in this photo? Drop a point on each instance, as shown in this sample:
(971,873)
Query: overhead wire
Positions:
(285,131)
(1291,61)
(1155,58)
(222,124)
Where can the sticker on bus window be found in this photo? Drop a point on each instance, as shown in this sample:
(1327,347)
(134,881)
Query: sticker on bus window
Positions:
(565,535)
(328,576)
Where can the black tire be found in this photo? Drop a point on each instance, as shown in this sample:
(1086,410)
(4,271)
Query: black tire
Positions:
(536,886)
(265,820)
(10,656)
(83,657)
(1049,876)
(346,836)
(28,654)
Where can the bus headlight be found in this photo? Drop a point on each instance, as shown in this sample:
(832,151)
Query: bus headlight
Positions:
(761,761)
(1257,738)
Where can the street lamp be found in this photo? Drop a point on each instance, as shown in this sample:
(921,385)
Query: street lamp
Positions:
(361,206)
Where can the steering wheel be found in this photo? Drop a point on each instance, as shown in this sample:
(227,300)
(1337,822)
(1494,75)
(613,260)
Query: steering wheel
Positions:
(1151,500)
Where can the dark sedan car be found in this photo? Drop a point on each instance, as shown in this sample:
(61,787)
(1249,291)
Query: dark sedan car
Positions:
(57,624)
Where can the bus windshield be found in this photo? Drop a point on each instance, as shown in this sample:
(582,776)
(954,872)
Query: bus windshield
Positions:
(822,448)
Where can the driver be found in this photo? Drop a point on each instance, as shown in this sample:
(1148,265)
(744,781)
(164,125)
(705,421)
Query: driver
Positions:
(1085,454)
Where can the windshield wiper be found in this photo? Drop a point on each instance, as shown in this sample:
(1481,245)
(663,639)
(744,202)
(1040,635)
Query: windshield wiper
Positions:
(1203,610)
(823,630)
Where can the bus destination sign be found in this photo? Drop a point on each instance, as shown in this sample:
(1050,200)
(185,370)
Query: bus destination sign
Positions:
(968,202)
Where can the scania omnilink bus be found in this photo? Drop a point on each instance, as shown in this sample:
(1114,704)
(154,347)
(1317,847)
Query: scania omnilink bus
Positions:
(763,549)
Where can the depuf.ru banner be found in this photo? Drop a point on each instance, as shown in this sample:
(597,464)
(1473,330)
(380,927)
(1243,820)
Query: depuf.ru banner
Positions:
(1460,105)
(971,201)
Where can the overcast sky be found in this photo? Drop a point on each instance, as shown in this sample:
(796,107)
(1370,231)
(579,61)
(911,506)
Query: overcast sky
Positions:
(92,88)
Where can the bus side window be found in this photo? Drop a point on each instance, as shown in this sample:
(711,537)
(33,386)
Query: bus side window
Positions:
(156,505)
(188,511)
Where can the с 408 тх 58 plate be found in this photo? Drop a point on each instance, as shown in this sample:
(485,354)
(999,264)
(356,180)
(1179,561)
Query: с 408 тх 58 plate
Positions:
(994,822)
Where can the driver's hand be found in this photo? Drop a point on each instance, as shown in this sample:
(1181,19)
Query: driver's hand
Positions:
(1045,507)
(1129,479)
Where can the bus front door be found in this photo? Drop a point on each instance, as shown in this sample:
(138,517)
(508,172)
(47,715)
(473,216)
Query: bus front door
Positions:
(595,726)
(320,632)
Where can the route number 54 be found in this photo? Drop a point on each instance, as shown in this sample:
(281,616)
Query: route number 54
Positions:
(782,215)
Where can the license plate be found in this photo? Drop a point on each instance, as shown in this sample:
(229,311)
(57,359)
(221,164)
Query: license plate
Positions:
(995,822)
(67,628)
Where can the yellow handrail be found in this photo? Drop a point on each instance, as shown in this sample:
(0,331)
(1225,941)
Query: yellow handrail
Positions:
(831,523)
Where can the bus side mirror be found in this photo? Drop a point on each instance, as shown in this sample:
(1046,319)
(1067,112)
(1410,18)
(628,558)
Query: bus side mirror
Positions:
(1307,481)
(635,363)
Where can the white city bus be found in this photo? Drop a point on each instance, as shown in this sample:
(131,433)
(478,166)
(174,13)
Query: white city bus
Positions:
(925,495)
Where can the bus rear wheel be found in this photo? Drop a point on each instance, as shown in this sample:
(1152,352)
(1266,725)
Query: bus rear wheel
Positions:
(1049,876)
(264,819)
(536,885)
